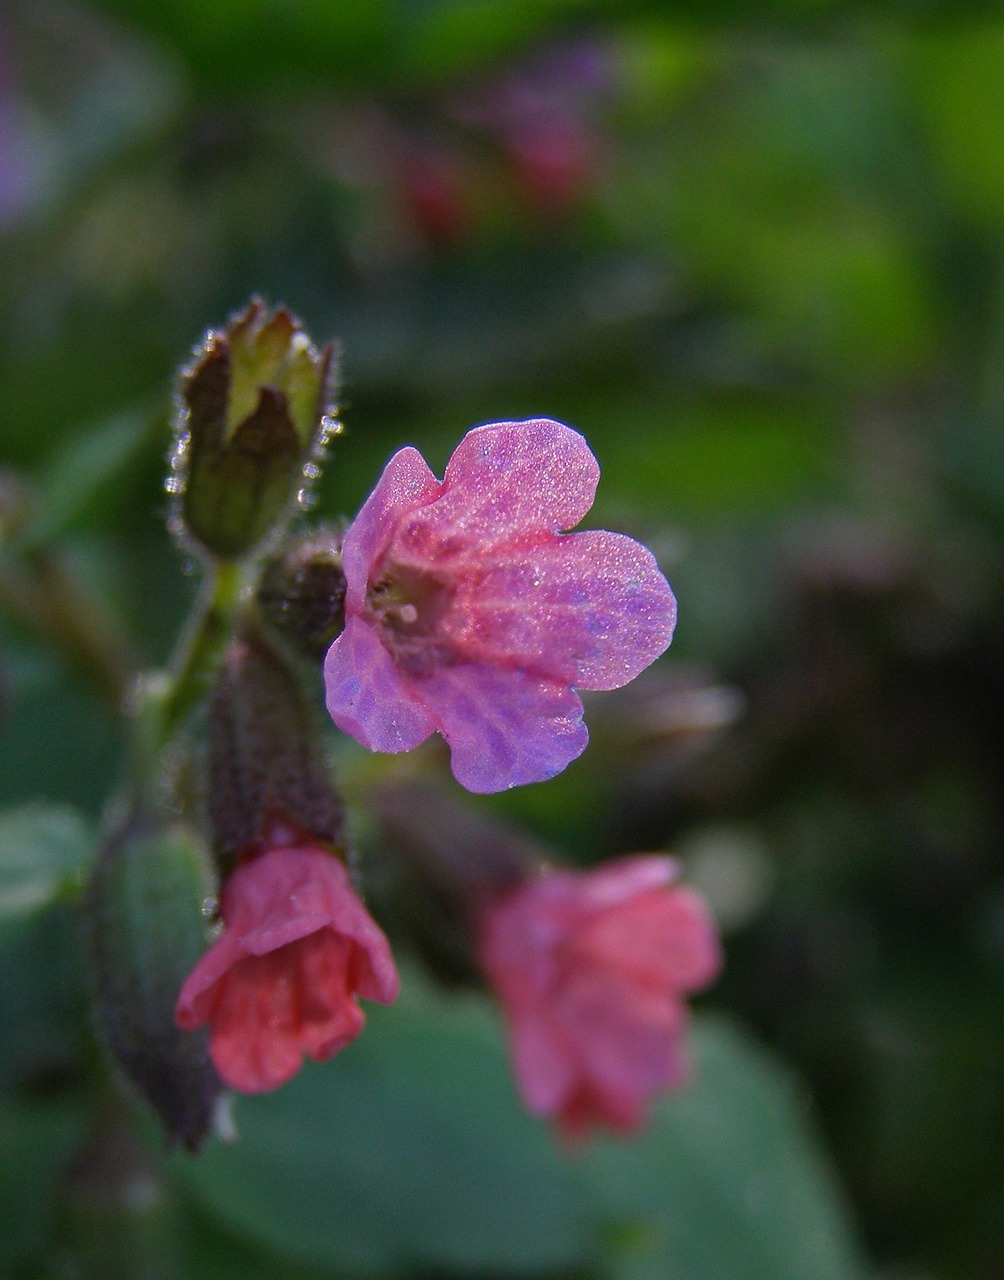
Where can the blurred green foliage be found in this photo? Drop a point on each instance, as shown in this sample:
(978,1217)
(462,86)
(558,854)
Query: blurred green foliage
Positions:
(761,266)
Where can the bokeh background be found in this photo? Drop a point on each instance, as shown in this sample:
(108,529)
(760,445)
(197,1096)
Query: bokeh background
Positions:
(755,252)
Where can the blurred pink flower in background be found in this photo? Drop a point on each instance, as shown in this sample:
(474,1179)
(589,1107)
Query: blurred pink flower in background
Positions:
(469,612)
(545,111)
(281,981)
(592,969)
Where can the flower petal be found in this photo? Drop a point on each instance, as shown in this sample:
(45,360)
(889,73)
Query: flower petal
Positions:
(296,890)
(366,695)
(507,479)
(620,880)
(504,728)
(274,1008)
(406,483)
(253,1042)
(592,969)
(281,980)
(195,1000)
(590,608)
(589,1106)
(625,1035)
(544,1071)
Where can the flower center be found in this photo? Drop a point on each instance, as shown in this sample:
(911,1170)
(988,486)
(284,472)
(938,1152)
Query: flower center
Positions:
(410,606)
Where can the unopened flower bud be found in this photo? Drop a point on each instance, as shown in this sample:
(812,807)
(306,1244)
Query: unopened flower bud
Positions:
(302,592)
(148,928)
(255,411)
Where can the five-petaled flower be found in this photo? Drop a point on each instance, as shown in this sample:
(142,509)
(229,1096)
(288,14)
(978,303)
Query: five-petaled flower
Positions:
(470,612)
(591,969)
(281,981)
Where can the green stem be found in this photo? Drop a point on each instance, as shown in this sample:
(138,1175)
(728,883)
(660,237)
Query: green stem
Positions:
(162,701)
(202,645)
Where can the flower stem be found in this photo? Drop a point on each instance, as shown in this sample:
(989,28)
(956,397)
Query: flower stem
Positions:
(202,645)
(161,701)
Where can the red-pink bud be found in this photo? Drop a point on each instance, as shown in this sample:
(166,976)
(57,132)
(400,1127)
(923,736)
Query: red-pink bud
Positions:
(281,981)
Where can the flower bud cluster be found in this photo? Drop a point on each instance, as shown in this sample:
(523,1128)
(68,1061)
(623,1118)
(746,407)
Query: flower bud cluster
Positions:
(462,607)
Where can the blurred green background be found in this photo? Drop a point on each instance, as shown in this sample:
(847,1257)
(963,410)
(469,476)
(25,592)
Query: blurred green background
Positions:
(755,252)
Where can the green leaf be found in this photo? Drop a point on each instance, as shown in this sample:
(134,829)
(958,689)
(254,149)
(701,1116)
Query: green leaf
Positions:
(409,1149)
(37,1140)
(54,743)
(44,850)
(959,95)
(210,1250)
(42,997)
(233,43)
(456,36)
(728,1181)
(669,456)
(81,477)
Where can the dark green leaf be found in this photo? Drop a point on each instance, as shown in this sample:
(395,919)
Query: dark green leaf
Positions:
(37,1141)
(408,1149)
(411,1150)
(44,850)
(729,1181)
(83,474)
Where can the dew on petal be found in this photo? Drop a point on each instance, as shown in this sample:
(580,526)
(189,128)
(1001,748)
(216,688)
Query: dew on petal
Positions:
(474,585)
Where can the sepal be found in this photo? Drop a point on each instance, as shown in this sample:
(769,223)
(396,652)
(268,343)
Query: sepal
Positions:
(147,912)
(302,592)
(266,755)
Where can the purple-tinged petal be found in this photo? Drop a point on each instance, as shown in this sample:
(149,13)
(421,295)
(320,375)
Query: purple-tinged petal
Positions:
(505,479)
(631,611)
(588,608)
(614,883)
(542,1065)
(366,695)
(504,728)
(593,969)
(627,1033)
(406,483)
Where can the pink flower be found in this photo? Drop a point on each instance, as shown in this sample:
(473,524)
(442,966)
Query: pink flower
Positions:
(281,981)
(470,613)
(591,969)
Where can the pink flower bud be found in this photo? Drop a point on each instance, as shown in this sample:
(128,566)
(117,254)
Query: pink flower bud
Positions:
(470,613)
(281,981)
(592,969)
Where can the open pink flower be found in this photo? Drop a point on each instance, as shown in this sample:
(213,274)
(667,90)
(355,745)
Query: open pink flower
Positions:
(281,980)
(469,612)
(592,969)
